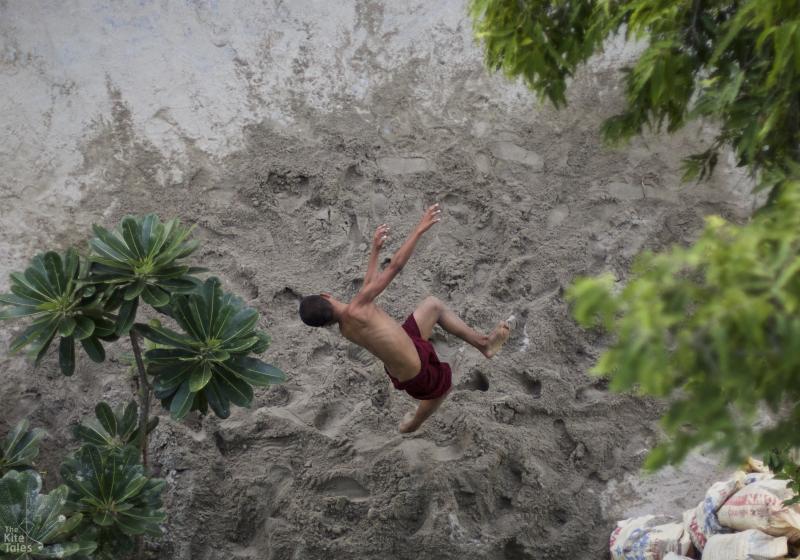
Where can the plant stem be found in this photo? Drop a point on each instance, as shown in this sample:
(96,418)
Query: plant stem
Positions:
(144,396)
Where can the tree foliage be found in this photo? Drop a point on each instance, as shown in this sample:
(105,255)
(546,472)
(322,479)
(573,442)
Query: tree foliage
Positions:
(95,300)
(111,490)
(210,364)
(112,429)
(20,447)
(716,328)
(734,62)
(783,461)
(713,327)
(36,525)
(56,293)
(142,258)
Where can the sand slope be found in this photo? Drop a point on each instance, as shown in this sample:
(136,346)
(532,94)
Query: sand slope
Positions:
(287,132)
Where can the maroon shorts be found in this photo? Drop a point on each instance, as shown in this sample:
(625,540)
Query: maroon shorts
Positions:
(434,378)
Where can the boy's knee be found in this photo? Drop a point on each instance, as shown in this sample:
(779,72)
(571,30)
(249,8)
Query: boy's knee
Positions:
(434,302)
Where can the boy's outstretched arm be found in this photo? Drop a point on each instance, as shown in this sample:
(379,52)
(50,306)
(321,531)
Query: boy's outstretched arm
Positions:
(381,235)
(373,288)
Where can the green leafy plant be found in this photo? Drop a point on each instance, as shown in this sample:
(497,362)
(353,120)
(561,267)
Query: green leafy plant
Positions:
(56,294)
(20,447)
(734,62)
(95,300)
(141,258)
(210,364)
(112,429)
(783,462)
(713,327)
(716,323)
(112,490)
(37,525)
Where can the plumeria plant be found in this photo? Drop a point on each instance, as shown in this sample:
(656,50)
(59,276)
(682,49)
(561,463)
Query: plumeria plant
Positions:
(207,360)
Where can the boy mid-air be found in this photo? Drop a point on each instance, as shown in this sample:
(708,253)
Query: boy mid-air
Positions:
(409,358)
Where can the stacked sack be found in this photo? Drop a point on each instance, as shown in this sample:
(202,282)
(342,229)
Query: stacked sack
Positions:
(648,538)
(743,518)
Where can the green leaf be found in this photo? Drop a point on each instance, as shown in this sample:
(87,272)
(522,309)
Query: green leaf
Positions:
(179,285)
(94,349)
(183,315)
(37,279)
(67,326)
(155,296)
(17,312)
(217,399)
(134,290)
(255,371)
(27,336)
(147,232)
(169,379)
(72,264)
(111,246)
(103,328)
(55,272)
(66,355)
(141,521)
(19,301)
(241,323)
(233,387)
(23,287)
(181,401)
(241,345)
(161,335)
(129,230)
(84,327)
(199,377)
(127,424)
(126,316)
(40,344)
(106,417)
(171,355)
(90,431)
(104,518)
(263,343)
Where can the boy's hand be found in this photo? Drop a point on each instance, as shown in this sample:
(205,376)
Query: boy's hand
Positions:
(381,235)
(432,215)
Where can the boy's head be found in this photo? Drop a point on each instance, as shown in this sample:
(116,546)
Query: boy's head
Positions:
(316,311)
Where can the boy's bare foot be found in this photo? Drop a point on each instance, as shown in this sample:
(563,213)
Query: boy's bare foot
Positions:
(497,338)
(409,424)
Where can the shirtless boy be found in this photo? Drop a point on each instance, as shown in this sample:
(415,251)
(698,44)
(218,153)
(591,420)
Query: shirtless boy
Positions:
(409,358)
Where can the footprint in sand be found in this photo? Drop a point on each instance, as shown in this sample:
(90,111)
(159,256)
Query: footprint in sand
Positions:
(531,385)
(330,418)
(343,485)
(420,452)
(477,381)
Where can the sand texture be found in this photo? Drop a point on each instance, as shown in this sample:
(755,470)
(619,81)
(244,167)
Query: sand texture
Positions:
(287,131)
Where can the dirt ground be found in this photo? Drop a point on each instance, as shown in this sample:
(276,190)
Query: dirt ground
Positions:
(287,131)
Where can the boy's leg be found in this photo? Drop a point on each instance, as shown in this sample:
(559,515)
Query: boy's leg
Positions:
(432,311)
(423,412)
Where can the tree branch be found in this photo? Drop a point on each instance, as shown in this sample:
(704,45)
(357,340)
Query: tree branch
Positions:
(144,396)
